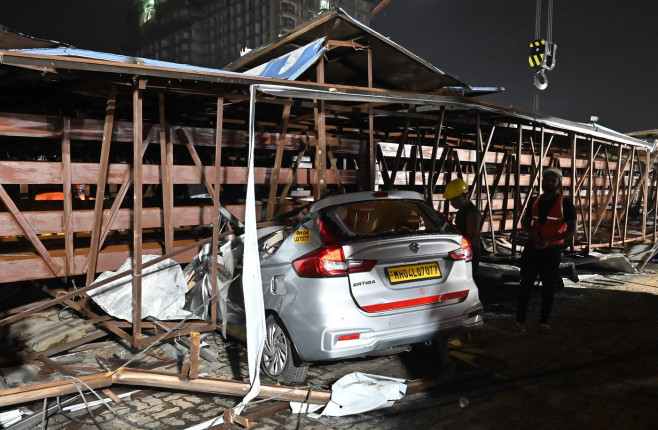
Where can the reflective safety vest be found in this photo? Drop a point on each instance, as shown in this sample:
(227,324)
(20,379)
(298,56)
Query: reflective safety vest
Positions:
(554,224)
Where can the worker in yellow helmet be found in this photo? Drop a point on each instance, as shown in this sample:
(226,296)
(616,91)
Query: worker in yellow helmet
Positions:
(468,217)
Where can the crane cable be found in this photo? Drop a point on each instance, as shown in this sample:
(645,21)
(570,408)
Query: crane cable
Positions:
(548,59)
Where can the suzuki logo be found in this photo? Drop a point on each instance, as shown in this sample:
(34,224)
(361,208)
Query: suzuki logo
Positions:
(414,247)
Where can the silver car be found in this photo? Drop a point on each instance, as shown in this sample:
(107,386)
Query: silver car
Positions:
(362,273)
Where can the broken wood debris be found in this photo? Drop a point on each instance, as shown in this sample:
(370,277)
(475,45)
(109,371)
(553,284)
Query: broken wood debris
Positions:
(144,378)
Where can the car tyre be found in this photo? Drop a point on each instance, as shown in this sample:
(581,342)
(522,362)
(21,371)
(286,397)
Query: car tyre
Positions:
(277,360)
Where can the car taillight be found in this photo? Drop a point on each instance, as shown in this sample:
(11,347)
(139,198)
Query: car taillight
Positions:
(327,235)
(463,253)
(329,260)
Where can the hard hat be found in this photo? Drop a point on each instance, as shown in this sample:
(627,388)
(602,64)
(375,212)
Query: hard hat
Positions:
(455,188)
(553,170)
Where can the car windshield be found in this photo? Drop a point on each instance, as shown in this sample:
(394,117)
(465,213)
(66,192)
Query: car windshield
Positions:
(382,217)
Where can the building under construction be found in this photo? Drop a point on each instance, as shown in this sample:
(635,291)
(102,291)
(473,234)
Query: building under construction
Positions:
(104,157)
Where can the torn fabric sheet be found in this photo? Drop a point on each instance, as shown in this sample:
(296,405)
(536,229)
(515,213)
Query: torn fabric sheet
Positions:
(163,291)
(198,275)
(359,392)
(252,285)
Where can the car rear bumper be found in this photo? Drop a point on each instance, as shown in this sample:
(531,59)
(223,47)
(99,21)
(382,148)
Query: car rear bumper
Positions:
(336,333)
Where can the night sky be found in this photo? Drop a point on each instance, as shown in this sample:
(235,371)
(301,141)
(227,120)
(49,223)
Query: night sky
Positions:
(606,60)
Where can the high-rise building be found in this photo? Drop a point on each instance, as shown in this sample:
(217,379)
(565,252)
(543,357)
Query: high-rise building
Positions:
(212,33)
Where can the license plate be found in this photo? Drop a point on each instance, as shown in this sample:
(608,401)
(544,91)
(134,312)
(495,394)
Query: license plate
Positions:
(413,273)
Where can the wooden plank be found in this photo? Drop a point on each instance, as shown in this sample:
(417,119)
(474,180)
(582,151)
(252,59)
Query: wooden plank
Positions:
(31,393)
(137,212)
(166,168)
(292,179)
(431,183)
(67,222)
(101,182)
(320,186)
(216,208)
(28,231)
(72,344)
(195,349)
(197,162)
(41,172)
(65,371)
(217,386)
(80,291)
(274,182)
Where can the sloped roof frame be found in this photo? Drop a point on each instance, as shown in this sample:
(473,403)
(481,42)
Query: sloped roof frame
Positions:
(452,103)
(393,66)
(308,90)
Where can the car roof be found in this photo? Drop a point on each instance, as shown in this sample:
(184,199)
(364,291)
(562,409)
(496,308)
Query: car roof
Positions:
(340,199)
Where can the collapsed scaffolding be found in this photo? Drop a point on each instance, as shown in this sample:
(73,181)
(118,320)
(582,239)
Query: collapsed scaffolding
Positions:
(177,139)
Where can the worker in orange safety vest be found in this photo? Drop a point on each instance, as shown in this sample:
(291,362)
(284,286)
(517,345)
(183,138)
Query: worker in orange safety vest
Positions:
(550,221)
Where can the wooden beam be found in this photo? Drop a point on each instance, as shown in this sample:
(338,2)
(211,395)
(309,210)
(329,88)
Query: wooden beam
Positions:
(83,290)
(137,212)
(100,189)
(29,232)
(431,182)
(68,198)
(131,377)
(219,128)
(166,170)
(274,182)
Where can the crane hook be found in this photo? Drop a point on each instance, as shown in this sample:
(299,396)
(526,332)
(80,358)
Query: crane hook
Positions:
(541,82)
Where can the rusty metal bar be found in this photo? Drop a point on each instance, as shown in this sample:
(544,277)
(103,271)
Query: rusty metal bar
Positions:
(100,188)
(590,184)
(400,151)
(615,195)
(166,181)
(645,196)
(219,128)
(505,209)
(517,192)
(478,161)
(81,291)
(68,198)
(183,134)
(655,206)
(137,210)
(435,149)
(276,171)
(572,182)
(631,174)
(29,232)
(125,376)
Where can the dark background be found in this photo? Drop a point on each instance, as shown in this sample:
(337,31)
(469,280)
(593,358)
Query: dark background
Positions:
(606,59)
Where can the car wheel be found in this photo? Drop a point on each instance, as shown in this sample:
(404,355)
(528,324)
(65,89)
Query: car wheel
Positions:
(277,355)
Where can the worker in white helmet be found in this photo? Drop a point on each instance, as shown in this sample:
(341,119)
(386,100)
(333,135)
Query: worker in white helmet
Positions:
(549,221)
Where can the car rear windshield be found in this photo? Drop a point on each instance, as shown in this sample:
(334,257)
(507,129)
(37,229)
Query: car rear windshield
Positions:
(384,217)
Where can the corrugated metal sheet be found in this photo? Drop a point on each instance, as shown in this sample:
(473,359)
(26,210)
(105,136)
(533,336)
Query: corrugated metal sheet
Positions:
(10,39)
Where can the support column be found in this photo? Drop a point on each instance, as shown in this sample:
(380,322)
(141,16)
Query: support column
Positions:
(217,205)
(517,193)
(137,211)
(68,198)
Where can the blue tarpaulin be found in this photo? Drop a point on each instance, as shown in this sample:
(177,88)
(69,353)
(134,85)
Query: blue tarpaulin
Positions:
(293,64)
